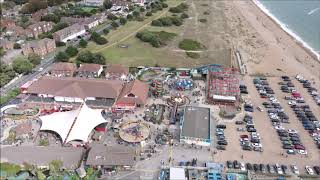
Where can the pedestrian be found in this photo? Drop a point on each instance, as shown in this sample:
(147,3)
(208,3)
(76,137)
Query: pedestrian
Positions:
(242,156)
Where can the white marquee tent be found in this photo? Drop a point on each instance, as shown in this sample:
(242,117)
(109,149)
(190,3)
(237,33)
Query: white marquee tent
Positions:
(73,125)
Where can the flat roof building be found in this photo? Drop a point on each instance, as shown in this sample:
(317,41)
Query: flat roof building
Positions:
(41,156)
(195,126)
(110,156)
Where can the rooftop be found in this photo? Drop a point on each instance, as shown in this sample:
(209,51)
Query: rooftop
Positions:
(100,154)
(89,67)
(42,156)
(196,122)
(76,87)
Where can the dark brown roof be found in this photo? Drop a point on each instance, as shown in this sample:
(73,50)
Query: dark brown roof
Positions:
(76,87)
(138,89)
(89,67)
(117,68)
(63,66)
(100,154)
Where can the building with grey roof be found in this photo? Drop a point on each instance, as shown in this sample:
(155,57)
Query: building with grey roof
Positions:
(109,156)
(195,126)
(41,156)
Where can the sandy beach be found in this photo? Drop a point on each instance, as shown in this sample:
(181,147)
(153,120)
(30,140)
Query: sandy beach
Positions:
(265,47)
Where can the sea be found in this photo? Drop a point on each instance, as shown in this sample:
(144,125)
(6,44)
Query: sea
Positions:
(300,18)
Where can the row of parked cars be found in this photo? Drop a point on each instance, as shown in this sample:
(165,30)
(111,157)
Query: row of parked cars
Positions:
(271,168)
(311,90)
(304,114)
(251,142)
(221,139)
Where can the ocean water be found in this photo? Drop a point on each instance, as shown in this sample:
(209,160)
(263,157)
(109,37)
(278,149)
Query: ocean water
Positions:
(300,18)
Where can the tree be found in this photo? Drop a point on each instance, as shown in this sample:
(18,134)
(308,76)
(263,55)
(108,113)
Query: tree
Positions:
(83,43)
(107,4)
(184,16)
(123,21)
(22,66)
(142,9)
(71,51)
(62,57)
(59,26)
(34,58)
(99,59)
(51,17)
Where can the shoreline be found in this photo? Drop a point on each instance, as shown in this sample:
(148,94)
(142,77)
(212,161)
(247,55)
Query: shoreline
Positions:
(297,39)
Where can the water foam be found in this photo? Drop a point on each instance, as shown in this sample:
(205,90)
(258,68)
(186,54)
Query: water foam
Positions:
(285,28)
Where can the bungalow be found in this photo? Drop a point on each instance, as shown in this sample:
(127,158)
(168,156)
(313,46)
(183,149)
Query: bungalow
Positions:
(63,69)
(89,70)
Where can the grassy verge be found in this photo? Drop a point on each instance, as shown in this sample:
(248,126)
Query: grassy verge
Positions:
(12,94)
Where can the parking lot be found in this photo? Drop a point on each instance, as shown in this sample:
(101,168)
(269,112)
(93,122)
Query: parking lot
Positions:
(272,147)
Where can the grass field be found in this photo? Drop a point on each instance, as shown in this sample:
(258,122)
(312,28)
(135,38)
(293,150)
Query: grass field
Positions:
(140,53)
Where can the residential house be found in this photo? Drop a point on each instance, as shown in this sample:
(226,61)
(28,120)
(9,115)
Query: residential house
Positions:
(11,12)
(89,70)
(6,44)
(63,69)
(69,33)
(88,23)
(41,47)
(38,28)
(117,71)
(37,15)
(15,31)
(101,17)
(139,2)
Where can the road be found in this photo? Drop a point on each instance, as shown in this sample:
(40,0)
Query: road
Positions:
(23,79)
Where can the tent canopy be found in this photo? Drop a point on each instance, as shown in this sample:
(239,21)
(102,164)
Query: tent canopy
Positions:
(73,125)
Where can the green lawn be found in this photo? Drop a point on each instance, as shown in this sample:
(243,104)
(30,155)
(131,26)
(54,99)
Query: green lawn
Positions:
(88,9)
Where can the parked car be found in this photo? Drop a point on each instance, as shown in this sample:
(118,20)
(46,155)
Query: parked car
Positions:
(295,169)
(309,170)
(229,164)
(236,164)
(249,166)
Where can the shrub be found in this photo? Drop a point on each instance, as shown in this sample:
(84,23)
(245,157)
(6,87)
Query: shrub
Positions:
(83,43)
(123,21)
(179,9)
(190,45)
(206,13)
(89,57)
(203,20)
(112,17)
(71,51)
(142,9)
(156,23)
(184,16)
(106,31)
(193,55)
(135,13)
(129,16)
(156,39)
(149,13)
(164,5)
(114,24)
(176,21)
